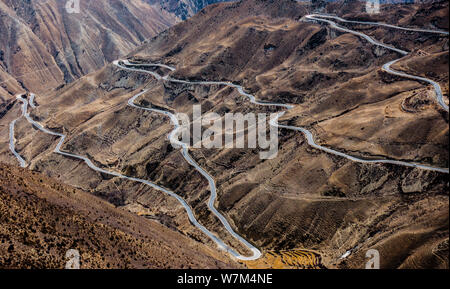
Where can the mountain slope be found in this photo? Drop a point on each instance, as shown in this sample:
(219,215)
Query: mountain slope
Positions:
(42,219)
(43,46)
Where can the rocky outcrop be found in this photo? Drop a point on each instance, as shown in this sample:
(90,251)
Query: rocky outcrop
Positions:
(185,8)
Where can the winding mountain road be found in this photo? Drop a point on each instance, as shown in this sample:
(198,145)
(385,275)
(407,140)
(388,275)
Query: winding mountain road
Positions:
(256,253)
(12,139)
(329,16)
(386,67)
(212,186)
(127,65)
(436,86)
(310,138)
(274,122)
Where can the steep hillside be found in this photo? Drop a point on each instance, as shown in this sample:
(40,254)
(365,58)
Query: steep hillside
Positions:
(41,219)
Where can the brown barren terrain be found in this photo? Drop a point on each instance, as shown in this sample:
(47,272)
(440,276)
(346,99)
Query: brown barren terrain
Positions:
(304,200)
(41,219)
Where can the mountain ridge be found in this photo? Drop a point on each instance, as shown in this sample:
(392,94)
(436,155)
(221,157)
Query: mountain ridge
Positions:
(46,46)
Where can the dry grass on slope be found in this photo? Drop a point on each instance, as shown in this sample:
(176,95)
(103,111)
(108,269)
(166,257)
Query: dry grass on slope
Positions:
(42,219)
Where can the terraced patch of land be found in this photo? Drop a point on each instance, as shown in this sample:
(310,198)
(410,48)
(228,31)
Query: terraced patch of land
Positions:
(288,259)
